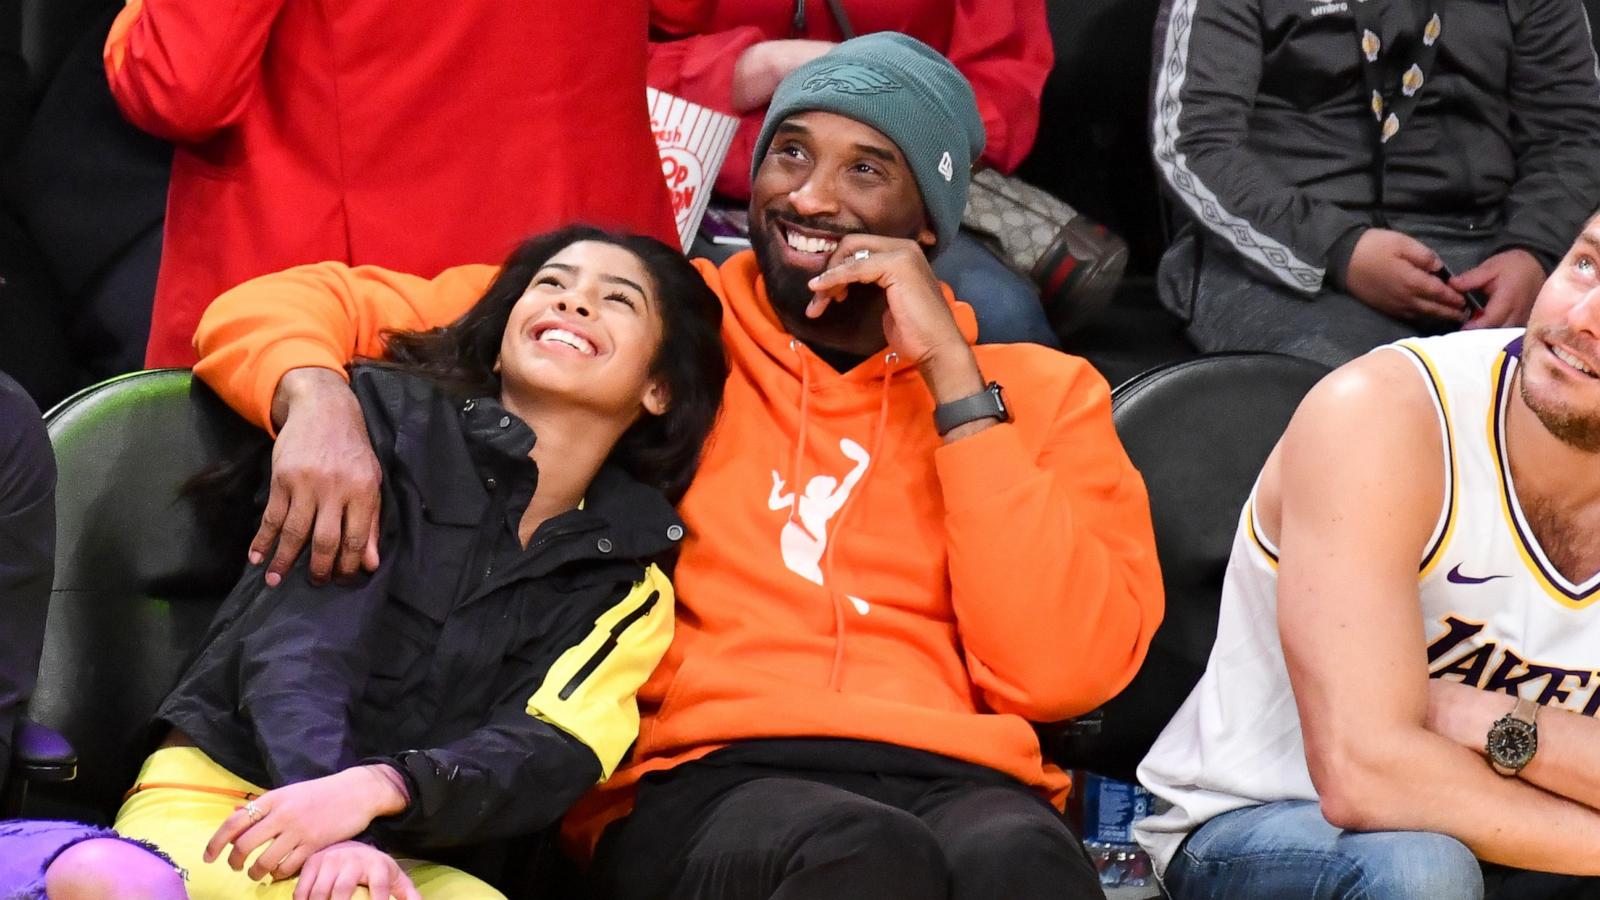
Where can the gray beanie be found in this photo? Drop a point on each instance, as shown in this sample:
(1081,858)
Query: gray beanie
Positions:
(911,93)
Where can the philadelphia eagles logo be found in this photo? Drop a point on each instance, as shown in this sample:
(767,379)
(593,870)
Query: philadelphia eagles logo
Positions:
(850,78)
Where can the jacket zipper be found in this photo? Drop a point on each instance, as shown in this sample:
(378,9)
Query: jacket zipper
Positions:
(593,663)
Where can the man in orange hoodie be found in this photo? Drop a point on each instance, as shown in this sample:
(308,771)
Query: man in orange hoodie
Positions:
(893,567)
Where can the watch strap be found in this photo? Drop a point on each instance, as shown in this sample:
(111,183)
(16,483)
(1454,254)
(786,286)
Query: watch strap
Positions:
(985,404)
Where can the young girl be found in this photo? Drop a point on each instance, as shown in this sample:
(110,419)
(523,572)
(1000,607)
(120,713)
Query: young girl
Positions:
(483,677)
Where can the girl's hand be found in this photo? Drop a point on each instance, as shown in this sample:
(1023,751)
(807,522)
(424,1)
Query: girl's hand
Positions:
(301,819)
(334,873)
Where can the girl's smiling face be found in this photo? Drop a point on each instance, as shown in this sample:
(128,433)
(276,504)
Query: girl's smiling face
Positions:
(587,329)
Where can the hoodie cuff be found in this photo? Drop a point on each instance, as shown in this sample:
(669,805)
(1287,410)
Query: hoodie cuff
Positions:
(277,361)
(974,469)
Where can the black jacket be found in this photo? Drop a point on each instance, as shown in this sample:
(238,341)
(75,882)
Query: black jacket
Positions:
(498,679)
(1263,125)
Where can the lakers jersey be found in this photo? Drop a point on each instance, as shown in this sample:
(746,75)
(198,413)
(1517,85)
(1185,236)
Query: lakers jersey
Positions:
(1496,613)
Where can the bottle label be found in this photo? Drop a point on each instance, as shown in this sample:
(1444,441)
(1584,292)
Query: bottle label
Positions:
(1110,808)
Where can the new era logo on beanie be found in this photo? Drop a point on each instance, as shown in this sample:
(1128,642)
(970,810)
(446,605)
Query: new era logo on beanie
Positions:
(912,94)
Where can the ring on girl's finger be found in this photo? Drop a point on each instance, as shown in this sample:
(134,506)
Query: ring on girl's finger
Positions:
(255,812)
(861,254)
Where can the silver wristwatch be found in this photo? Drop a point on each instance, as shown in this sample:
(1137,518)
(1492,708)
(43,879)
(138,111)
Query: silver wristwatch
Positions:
(1514,738)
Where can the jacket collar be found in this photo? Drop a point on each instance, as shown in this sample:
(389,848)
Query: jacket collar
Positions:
(637,519)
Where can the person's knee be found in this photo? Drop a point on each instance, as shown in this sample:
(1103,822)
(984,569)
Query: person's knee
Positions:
(877,845)
(1419,864)
(111,868)
(1024,852)
(1000,841)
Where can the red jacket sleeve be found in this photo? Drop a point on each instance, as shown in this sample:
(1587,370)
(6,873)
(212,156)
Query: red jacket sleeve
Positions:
(183,70)
(1053,570)
(1005,51)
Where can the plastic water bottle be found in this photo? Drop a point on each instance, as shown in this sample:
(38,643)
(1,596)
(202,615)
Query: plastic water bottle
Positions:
(1110,808)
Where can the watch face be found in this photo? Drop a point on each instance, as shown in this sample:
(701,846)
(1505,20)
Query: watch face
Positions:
(1512,743)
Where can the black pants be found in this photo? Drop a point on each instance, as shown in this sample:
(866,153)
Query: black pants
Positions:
(27,553)
(731,828)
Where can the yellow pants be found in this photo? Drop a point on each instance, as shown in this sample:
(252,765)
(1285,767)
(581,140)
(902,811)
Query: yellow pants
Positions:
(181,822)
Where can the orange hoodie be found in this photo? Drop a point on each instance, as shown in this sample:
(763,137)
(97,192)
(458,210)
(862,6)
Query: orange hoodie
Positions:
(847,574)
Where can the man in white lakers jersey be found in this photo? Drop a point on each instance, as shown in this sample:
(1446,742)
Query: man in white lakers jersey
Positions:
(1407,666)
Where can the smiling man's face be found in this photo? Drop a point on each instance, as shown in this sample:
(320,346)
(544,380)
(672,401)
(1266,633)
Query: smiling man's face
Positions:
(826,176)
(1560,371)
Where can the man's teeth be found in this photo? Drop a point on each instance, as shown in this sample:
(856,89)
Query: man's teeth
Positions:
(1571,360)
(563,336)
(809,244)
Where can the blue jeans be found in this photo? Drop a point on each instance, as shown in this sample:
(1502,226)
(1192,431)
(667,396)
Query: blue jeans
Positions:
(1007,305)
(1287,849)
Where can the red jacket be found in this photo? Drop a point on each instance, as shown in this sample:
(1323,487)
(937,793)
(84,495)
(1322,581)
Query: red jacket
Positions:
(1002,46)
(411,136)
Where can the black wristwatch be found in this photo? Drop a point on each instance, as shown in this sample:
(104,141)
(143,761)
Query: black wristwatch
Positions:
(989,403)
(1514,738)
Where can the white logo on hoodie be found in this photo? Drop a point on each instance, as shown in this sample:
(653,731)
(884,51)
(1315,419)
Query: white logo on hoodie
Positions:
(805,534)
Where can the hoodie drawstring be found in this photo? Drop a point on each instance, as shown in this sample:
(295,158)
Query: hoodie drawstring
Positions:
(836,530)
(800,441)
(836,672)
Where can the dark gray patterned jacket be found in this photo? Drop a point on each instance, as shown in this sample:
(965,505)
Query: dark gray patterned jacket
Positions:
(1263,125)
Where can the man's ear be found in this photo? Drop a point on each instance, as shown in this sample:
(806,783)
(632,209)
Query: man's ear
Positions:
(927,238)
(496,367)
(657,399)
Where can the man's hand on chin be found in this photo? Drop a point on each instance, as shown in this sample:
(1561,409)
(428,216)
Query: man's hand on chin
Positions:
(917,323)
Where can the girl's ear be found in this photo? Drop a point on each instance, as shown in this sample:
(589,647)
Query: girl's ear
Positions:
(656,397)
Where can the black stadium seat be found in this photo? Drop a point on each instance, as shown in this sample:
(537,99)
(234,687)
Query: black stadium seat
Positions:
(1199,431)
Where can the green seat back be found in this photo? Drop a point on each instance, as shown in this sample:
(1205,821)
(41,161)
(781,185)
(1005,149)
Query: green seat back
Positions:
(139,571)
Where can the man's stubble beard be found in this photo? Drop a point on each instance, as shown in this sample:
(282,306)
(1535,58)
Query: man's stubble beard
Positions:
(789,293)
(1576,428)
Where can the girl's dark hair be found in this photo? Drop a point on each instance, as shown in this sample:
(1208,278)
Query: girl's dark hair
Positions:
(661,451)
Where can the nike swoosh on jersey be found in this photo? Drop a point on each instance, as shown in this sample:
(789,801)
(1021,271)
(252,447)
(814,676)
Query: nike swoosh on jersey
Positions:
(1455,577)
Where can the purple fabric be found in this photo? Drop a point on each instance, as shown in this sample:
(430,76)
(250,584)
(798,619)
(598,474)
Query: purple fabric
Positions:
(29,846)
